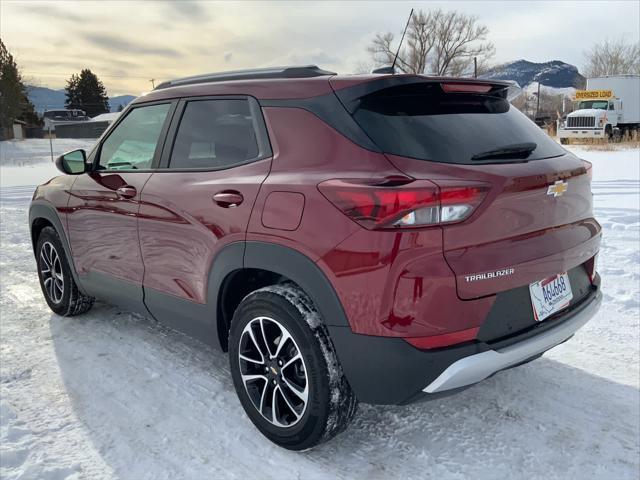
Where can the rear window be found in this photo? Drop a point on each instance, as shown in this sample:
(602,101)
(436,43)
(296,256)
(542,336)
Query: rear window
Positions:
(215,134)
(423,122)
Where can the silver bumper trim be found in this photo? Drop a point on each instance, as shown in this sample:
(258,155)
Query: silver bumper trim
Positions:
(474,368)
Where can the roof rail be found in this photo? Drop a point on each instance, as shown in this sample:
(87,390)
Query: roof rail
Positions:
(304,71)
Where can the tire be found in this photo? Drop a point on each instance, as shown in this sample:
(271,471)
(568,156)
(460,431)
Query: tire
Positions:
(608,133)
(564,141)
(56,281)
(285,311)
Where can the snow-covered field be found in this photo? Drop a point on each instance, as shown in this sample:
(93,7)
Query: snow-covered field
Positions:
(113,395)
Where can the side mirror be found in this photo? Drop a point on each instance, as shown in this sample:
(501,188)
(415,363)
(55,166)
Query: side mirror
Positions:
(72,163)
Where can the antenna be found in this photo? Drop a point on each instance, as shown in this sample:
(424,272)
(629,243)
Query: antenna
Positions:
(401,40)
(153,83)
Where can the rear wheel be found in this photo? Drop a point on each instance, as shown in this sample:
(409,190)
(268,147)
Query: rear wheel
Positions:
(285,370)
(58,287)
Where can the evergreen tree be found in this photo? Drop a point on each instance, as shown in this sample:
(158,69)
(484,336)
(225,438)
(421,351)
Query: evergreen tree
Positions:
(86,92)
(14,102)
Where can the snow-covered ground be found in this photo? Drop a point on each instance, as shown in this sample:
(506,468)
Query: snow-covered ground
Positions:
(113,395)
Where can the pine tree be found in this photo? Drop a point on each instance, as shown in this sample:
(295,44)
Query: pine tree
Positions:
(86,92)
(14,101)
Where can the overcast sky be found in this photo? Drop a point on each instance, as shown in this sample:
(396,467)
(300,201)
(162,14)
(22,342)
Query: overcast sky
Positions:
(126,43)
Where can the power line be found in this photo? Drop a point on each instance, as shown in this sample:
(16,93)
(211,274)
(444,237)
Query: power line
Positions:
(67,75)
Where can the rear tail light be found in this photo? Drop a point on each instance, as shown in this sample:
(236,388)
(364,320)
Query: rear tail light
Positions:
(465,87)
(416,203)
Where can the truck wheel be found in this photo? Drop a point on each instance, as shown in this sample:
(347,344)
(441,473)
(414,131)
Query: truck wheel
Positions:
(618,135)
(608,133)
(285,370)
(58,287)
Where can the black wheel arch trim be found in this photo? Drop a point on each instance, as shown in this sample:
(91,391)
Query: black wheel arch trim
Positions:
(48,212)
(301,270)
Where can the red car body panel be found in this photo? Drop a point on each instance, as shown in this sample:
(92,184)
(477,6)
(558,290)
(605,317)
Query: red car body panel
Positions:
(399,284)
(55,192)
(182,228)
(298,168)
(103,226)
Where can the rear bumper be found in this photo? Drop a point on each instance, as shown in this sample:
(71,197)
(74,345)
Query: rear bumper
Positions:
(474,368)
(390,371)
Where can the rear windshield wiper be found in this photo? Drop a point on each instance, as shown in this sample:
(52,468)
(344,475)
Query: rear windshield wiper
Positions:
(508,152)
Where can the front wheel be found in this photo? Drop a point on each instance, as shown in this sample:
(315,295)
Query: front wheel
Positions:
(285,369)
(58,287)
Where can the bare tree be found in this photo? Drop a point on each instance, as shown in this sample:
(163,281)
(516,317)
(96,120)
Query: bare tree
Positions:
(363,67)
(612,57)
(438,43)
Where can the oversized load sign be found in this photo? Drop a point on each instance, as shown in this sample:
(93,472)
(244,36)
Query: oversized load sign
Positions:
(593,94)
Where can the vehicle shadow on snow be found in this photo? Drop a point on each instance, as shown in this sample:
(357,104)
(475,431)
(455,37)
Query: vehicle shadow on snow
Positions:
(141,389)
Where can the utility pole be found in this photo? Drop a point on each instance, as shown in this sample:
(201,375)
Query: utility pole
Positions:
(51,144)
(153,83)
(538,102)
(475,67)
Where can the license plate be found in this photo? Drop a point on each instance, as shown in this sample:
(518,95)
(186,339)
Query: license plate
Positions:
(550,295)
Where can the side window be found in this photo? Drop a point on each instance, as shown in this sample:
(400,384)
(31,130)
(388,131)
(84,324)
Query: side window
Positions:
(132,144)
(214,134)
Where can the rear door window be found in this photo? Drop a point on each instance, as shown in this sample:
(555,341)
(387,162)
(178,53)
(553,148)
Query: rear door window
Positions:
(215,134)
(423,122)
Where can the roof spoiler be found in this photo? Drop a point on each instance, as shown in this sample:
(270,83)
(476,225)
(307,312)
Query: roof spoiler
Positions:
(352,95)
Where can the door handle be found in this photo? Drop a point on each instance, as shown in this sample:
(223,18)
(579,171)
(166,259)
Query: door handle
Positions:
(126,191)
(228,198)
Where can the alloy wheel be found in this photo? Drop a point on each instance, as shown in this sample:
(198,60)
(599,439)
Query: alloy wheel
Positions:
(51,271)
(273,371)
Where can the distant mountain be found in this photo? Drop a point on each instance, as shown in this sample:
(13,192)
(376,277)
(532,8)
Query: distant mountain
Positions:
(123,100)
(47,99)
(555,74)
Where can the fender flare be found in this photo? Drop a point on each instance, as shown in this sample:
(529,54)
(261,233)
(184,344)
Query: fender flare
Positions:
(300,269)
(40,209)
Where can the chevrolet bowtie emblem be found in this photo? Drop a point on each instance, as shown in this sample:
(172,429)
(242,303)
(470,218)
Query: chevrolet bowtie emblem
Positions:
(558,188)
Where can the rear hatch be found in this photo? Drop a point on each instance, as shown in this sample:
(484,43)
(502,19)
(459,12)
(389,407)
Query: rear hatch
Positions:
(535,219)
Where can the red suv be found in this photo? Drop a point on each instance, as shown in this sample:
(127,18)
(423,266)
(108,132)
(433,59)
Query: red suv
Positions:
(373,238)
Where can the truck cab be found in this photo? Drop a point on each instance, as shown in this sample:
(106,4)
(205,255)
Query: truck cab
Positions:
(597,118)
